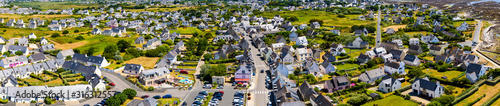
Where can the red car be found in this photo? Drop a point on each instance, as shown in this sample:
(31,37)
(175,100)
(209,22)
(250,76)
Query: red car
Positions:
(111,84)
(221,92)
(145,96)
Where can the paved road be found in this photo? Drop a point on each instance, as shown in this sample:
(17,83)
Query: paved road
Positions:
(477,31)
(197,87)
(379,30)
(258,88)
(477,34)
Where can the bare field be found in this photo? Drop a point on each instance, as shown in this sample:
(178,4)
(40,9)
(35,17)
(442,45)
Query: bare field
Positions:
(395,27)
(146,62)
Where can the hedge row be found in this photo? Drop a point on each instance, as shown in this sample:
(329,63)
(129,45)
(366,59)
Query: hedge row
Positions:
(402,89)
(50,73)
(37,77)
(221,61)
(464,95)
(69,76)
(475,101)
(70,80)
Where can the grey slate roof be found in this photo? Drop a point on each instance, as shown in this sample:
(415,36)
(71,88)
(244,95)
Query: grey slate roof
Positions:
(426,84)
(410,58)
(38,57)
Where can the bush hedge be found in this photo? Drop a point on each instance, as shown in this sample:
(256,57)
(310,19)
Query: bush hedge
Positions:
(70,80)
(475,101)
(464,95)
(221,61)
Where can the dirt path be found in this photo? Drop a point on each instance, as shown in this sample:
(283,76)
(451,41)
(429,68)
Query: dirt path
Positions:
(395,27)
(68,45)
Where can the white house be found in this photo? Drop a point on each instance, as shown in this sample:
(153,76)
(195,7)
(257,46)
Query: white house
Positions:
(394,67)
(429,39)
(301,41)
(389,84)
(414,41)
(372,75)
(427,88)
(474,72)
(65,53)
(411,60)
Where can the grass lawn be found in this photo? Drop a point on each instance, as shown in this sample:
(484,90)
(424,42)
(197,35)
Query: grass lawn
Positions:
(496,103)
(458,23)
(186,67)
(449,74)
(490,91)
(354,53)
(54,5)
(188,30)
(457,89)
(101,41)
(155,9)
(26,18)
(163,101)
(392,101)
(347,66)
(8,33)
(329,19)
(420,32)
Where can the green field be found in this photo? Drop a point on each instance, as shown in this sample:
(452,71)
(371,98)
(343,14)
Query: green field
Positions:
(329,19)
(54,5)
(101,41)
(170,101)
(392,101)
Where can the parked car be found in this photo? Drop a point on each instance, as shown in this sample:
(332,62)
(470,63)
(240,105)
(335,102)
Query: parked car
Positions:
(157,97)
(167,96)
(184,104)
(111,84)
(220,86)
(234,84)
(145,96)
(261,71)
(203,92)
(207,86)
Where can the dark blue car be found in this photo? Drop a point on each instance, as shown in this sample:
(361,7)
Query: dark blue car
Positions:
(167,96)
(157,97)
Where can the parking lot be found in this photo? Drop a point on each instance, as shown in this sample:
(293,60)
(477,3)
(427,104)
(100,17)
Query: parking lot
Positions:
(227,98)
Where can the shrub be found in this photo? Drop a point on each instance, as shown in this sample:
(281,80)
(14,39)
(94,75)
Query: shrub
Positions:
(55,35)
(65,32)
(80,38)
(70,80)
(131,93)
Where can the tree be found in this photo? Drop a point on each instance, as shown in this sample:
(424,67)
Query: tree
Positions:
(79,37)
(91,51)
(358,99)
(55,35)
(316,20)
(122,44)
(110,51)
(445,99)
(7,53)
(113,101)
(76,31)
(415,73)
(434,103)
(131,93)
(207,56)
(47,100)
(65,32)
(19,53)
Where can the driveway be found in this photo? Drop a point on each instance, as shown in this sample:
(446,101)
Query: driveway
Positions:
(415,97)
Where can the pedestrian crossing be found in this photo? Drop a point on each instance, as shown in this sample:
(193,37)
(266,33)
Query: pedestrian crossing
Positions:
(260,92)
